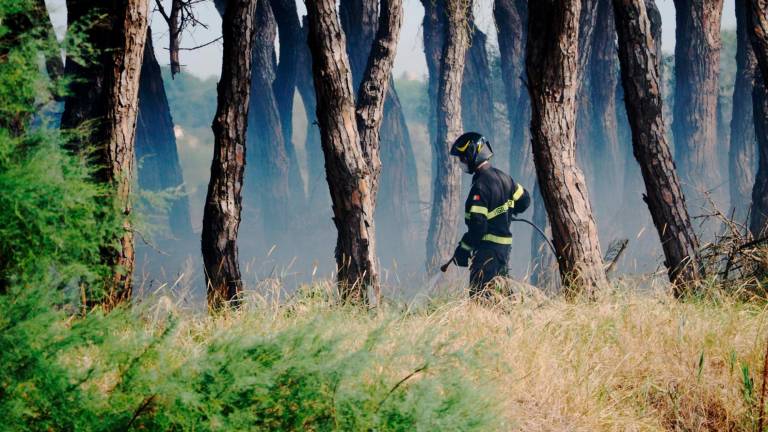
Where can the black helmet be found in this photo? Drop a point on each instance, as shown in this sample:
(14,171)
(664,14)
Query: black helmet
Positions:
(472,149)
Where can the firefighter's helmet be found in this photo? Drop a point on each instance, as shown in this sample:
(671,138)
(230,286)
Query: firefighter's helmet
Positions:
(472,149)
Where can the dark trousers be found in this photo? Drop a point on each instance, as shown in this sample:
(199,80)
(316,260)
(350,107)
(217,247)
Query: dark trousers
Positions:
(486,265)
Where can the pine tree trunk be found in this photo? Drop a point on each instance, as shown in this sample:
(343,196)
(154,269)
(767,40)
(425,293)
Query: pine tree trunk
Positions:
(476,99)
(604,140)
(267,169)
(643,100)
(441,237)
(741,156)
(221,217)
(552,65)
(350,136)
(697,63)
(434,29)
(757,19)
(317,194)
(512,23)
(107,93)
(159,167)
(284,87)
(359,20)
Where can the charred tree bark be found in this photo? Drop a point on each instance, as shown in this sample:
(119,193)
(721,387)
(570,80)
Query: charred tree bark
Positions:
(476,99)
(552,65)
(221,217)
(757,19)
(741,156)
(107,95)
(434,28)
(642,91)
(350,136)
(697,62)
(441,237)
(512,26)
(159,167)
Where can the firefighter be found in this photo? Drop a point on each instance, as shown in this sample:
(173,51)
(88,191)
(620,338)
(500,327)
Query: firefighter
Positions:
(493,201)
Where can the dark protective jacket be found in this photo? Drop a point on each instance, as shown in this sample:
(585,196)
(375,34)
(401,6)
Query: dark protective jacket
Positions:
(493,201)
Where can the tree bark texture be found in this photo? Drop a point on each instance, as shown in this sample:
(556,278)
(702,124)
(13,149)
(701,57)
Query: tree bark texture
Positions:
(476,98)
(441,236)
(697,62)
(223,203)
(512,26)
(267,167)
(159,167)
(434,29)
(552,65)
(360,21)
(107,94)
(757,19)
(741,156)
(349,134)
(643,100)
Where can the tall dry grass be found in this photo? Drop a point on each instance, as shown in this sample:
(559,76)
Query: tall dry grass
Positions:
(630,361)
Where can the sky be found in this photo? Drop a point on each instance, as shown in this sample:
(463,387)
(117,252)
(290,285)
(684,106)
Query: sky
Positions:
(206,62)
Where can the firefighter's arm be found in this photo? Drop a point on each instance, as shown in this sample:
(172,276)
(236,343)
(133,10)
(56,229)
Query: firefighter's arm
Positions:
(476,218)
(521,198)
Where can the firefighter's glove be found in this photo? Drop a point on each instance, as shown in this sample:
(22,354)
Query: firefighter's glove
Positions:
(461,256)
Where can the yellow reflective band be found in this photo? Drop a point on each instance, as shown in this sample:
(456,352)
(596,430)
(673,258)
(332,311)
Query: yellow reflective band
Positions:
(518,193)
(479,210)
(466,215)
(498,210)
(465,246)
(464,147)
(497,239)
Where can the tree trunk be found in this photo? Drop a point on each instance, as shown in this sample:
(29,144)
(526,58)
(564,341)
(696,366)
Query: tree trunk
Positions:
(604,138)
(552,65)
(741,156)
(107,93)
(512,26)
(317,194)
(159,167)
(434,29)
(697,62)
(476,99)
(642,91)
(359,20)
(267,171)
(292,43)
(221,217)
(350,136)
(441,237)
(757,19)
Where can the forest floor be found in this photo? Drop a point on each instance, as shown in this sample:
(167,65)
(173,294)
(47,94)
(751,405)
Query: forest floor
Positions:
(629,361)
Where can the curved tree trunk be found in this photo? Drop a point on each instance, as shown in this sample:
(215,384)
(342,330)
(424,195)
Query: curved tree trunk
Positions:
(741,156)
(107,93)
(512,26)
(350,136)
(221,217)
(359,19)
(552,65)
(757,19)
(441,237)
(697,63)
(159,167)
(642,90)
